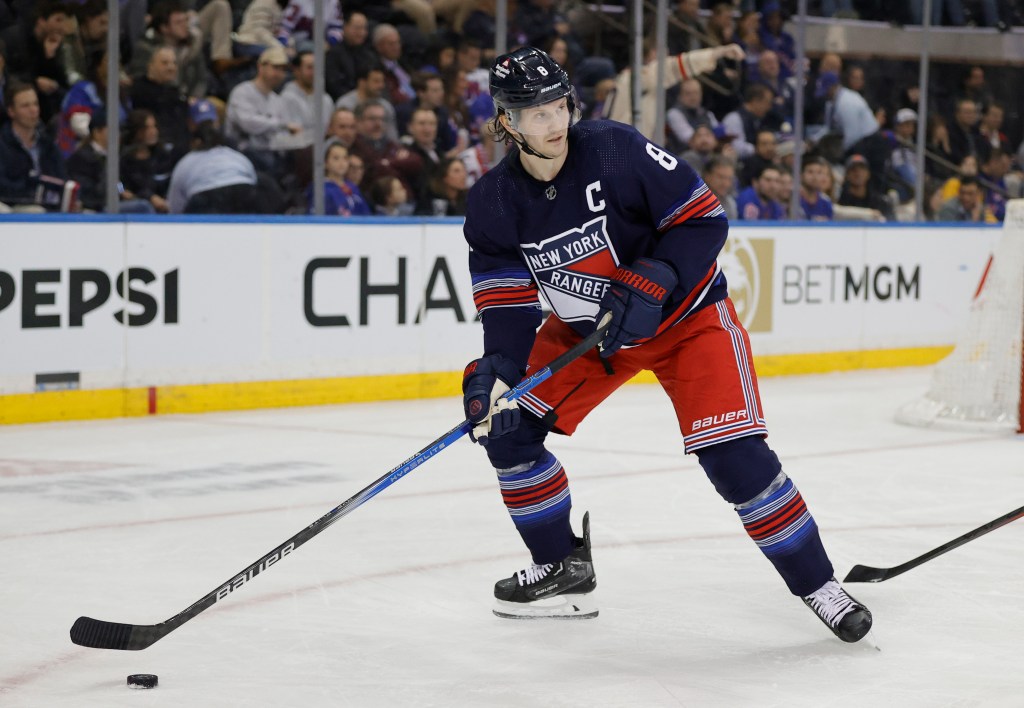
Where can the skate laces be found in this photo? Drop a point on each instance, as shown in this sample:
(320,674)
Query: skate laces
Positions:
(534,573)
(831,602)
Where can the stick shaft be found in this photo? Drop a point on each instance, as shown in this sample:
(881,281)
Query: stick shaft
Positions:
(868,574)
(101,634)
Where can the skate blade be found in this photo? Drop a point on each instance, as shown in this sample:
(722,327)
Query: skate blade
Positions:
(569,606)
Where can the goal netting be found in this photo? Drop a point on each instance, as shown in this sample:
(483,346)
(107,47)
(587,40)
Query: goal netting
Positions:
(979,384)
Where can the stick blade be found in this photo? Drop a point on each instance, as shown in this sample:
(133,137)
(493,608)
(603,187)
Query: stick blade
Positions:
(866,574)
(99,634)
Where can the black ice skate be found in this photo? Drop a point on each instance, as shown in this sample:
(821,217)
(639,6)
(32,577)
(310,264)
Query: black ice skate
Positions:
(848,619)
(562,590)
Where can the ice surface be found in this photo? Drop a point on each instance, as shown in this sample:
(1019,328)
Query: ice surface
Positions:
(133,520)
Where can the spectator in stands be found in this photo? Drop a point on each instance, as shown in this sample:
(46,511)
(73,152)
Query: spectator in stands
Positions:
(720,177)
(991,127)
(214,179)
(769,73)
(992,176)
(158,92)
(342,127)
(846,111)
(701,149)
(169,26)
(974,87)
(370,84)
(300,104)
(341,197)
(775,39)
(968,205)
(675,69)
(422,140)
(536,20)
(390,197)
(964,137)
(430,95)
(147,160)
(468,55)
(26,151)
(257,117)
(356,169)
(751,118)
(558,49)
(215,20)
(459,117)
(85,98)
(940,151)
(859,192)
(33,53)
(480,23)
(759,201)
(342,62)
(83,48)
(88,166)
(688,114)
(296,25)
(721,25)
(258,29)
(446,191)
(388,45)
(691,33)
(903,161)
(814,203)
(382,156)
(765,148)
(968,167)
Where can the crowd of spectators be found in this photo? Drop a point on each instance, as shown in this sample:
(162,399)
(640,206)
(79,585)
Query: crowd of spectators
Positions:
(217,108)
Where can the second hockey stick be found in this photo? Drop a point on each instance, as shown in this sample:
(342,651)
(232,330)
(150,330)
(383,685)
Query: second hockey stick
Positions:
(867,574)
(100,634)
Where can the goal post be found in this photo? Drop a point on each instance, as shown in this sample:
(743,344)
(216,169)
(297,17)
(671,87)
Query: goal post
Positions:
(980,384)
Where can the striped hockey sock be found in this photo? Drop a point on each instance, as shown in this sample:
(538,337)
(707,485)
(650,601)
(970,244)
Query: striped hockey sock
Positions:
(538,501)
(780,524)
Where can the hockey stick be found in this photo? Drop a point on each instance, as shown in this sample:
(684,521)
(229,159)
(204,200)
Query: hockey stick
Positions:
(867,574)
(100,634)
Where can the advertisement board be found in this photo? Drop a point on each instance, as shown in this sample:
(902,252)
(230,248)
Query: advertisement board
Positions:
(154,304)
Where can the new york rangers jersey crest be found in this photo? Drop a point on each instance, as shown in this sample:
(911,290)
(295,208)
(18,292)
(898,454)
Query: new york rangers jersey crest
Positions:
(572,269)
(618,197)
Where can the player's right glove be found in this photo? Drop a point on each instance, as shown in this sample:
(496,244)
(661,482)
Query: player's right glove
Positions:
(483,383)
(635,297)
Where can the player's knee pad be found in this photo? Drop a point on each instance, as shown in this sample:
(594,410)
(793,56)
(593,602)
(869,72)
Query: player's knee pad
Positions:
(740,469)
(523,446)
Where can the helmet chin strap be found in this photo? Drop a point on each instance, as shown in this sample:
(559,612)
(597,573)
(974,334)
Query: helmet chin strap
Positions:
(525,147)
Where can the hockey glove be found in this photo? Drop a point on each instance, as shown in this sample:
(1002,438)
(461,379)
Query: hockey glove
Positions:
(483,383)
(635,296)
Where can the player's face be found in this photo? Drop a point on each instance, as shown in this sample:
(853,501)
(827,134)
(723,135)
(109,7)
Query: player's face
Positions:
(545,127)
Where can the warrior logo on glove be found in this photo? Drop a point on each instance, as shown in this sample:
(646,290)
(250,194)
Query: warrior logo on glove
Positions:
(635,298)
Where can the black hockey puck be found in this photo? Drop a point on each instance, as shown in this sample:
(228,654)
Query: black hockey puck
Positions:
(142,681)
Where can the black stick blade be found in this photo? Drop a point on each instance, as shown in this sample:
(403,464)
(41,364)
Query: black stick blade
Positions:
(98,634)
(89,632)
(866,574)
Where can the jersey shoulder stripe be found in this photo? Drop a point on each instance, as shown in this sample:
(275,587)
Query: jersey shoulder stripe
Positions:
(701,204)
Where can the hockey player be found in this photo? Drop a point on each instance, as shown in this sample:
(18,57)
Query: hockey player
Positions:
(598,219)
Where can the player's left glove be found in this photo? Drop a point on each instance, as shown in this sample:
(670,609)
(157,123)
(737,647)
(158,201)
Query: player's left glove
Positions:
(635,297)
(483,383)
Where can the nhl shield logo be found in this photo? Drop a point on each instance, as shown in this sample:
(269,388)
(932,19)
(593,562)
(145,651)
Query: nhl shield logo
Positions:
(572,269)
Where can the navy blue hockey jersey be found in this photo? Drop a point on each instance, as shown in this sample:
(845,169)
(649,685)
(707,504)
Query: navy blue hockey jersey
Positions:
(617,198)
